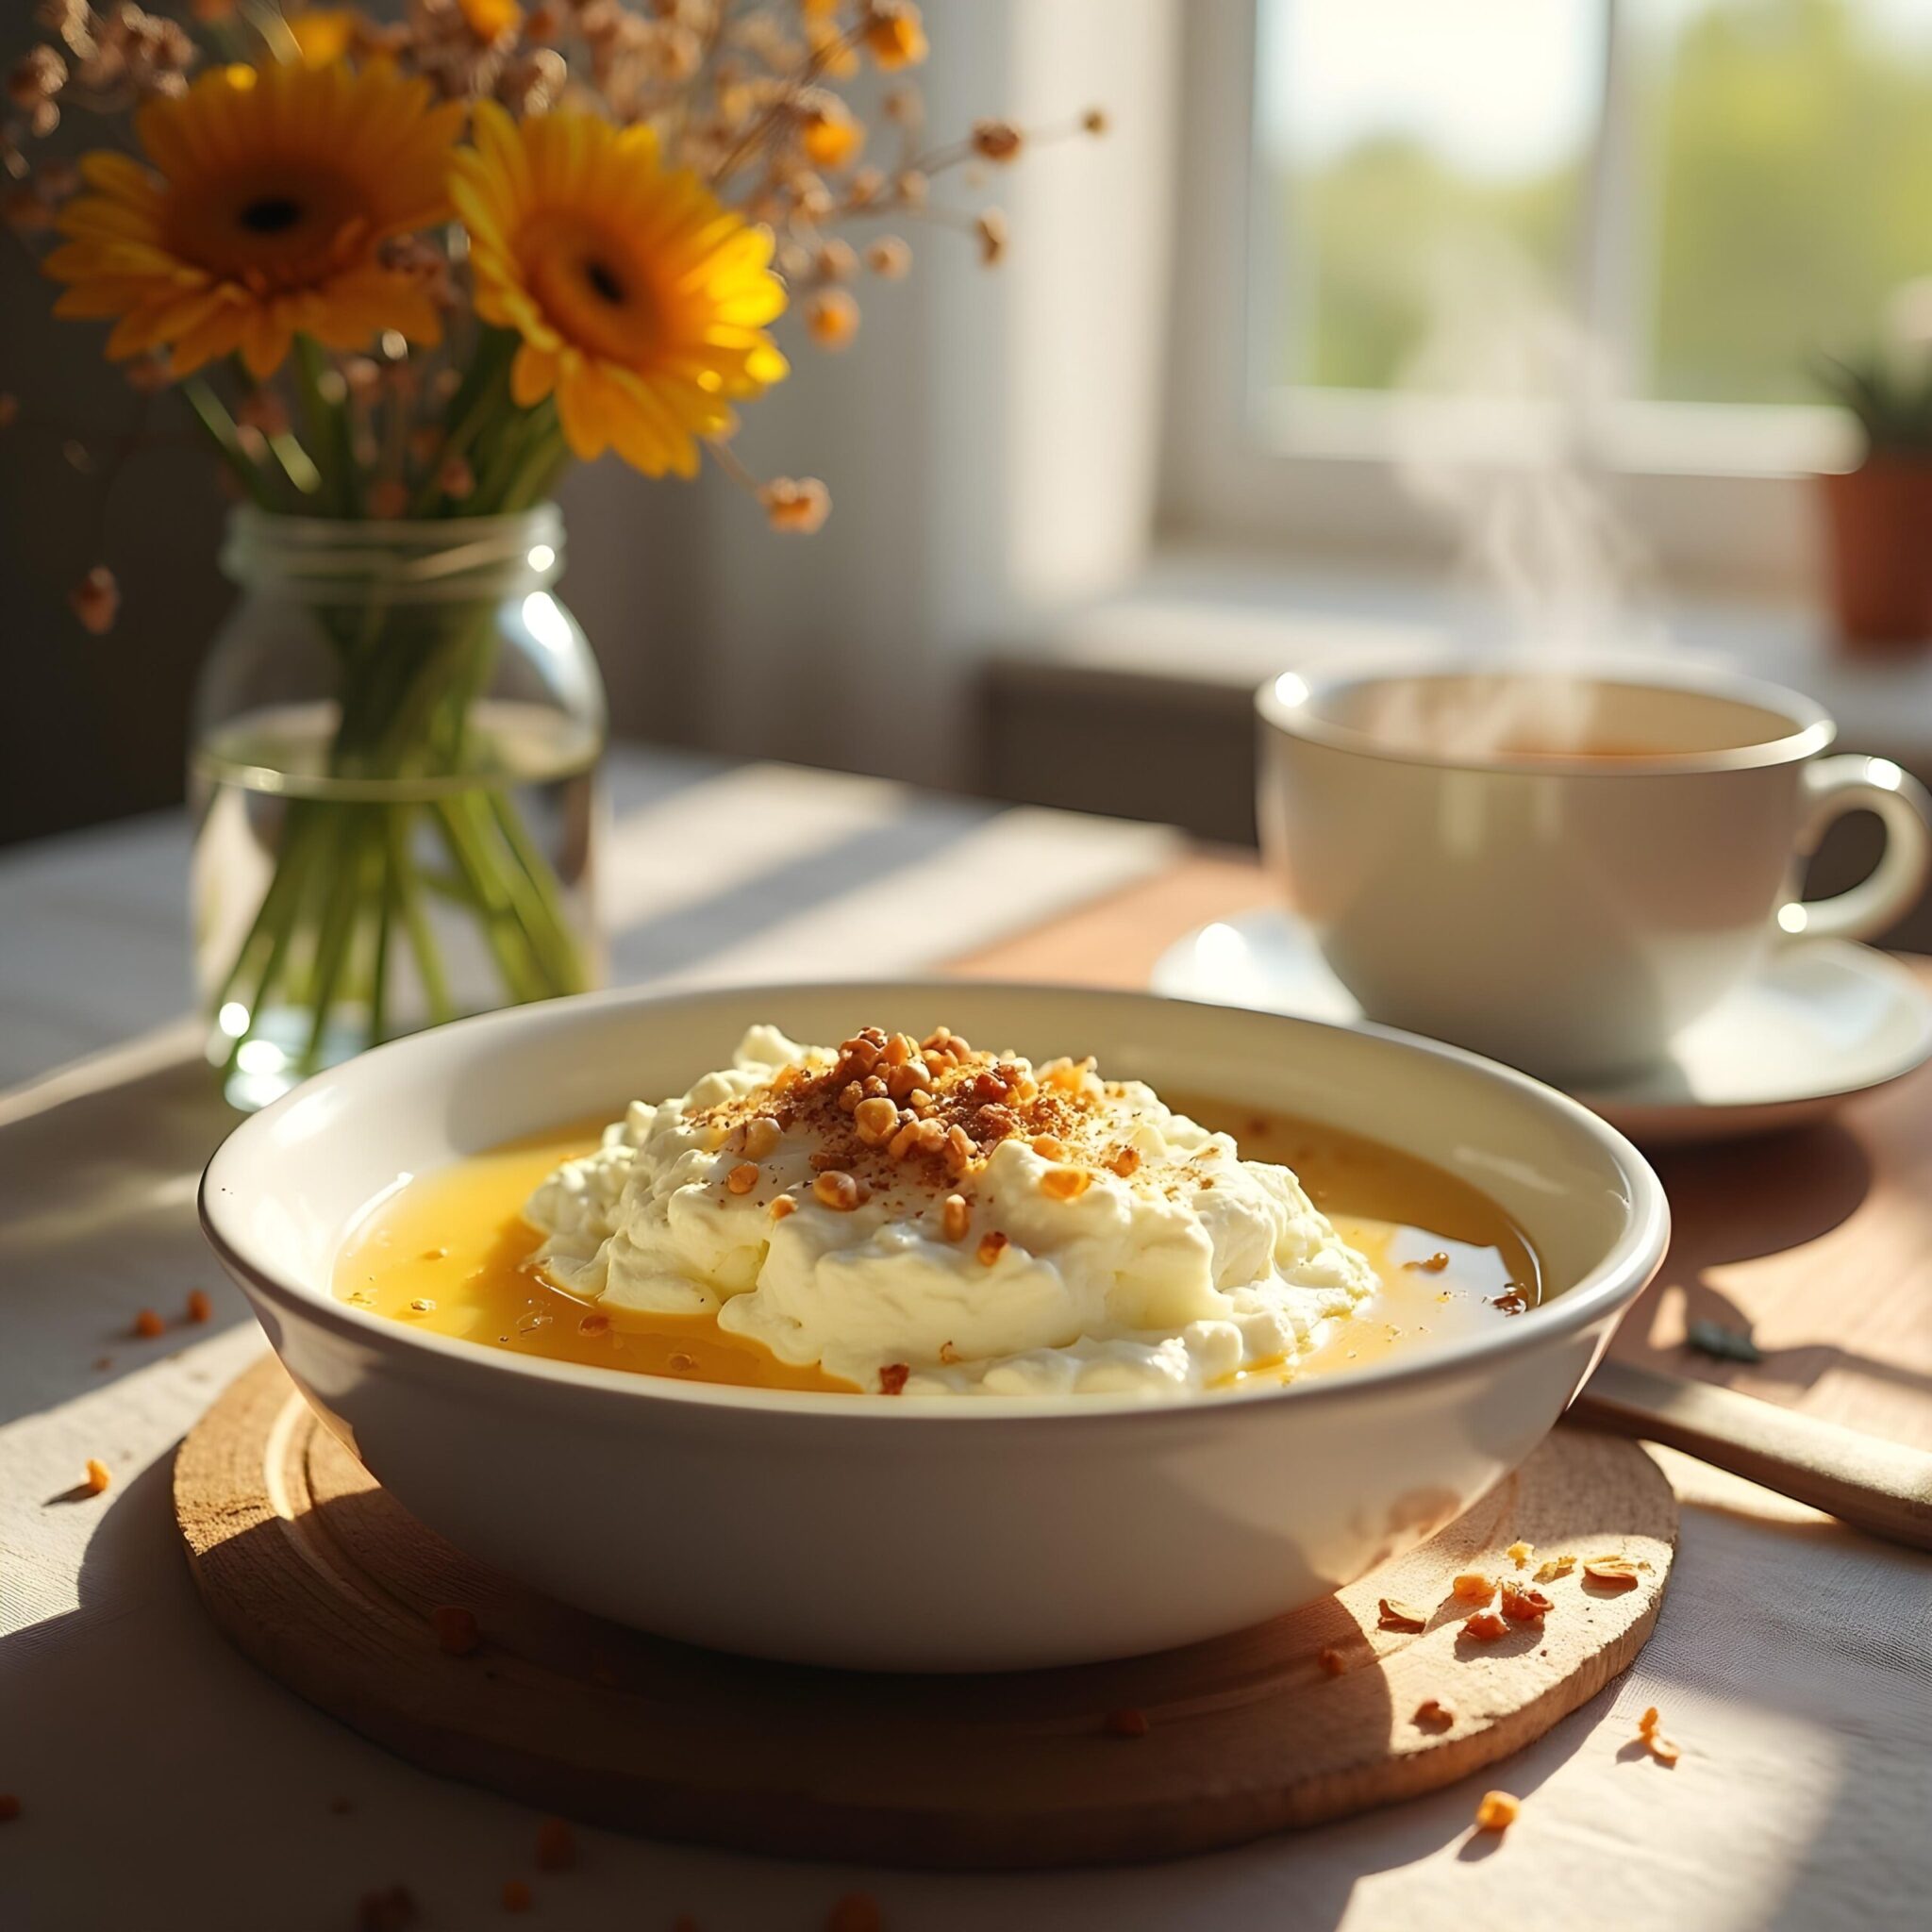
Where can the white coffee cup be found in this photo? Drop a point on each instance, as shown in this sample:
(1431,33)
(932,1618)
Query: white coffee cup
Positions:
(1562,873)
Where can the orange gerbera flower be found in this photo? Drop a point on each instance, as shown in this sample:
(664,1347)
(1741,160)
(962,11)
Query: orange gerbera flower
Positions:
(641,300)
(271,193)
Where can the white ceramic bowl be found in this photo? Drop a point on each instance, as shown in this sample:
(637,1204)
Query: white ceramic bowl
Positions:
(893,1534)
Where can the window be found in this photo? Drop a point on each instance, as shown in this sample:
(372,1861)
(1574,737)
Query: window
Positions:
(1645,216)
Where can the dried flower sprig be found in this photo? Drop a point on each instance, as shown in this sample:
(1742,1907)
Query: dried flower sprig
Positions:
(642,191)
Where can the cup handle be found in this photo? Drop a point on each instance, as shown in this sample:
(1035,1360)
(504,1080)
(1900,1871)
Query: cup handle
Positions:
(1854,783)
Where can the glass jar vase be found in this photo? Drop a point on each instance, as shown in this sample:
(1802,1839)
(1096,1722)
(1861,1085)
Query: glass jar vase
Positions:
(393,766)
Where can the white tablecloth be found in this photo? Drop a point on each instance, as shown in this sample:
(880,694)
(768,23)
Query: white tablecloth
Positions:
(166,1783)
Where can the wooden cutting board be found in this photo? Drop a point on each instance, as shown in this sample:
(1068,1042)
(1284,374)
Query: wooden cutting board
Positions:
(331,1587)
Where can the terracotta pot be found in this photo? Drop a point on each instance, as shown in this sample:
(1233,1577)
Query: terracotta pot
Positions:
(1880,517)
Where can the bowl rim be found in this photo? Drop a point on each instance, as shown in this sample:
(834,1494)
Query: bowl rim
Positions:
(1605,1291)
(1287,703)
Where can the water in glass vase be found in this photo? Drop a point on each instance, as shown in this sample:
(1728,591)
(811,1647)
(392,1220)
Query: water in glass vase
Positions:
(397,731)
(331,913)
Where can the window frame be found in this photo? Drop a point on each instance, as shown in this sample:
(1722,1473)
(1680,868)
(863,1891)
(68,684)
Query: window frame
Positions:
(1717,495)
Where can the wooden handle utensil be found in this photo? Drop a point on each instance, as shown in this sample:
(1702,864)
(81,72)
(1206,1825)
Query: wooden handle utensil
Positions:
(1876,1486)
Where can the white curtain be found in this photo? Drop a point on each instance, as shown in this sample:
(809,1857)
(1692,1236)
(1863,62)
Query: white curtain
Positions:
(991,438)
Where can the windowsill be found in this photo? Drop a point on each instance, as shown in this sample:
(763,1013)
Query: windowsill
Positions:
(1165,669)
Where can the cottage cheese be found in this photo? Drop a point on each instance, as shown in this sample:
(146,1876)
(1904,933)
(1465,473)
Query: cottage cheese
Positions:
(929,1219)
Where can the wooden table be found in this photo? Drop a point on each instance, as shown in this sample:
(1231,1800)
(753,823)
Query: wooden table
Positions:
(1789,1657)
(1819,1241)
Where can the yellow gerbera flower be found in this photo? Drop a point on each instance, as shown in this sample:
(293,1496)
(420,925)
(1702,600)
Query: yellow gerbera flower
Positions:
(641,300)
(271,193)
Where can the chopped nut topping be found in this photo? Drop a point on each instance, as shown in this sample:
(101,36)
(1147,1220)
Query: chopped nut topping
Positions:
(1396,1615)
(98,1475)
(1126,1161)
(782,1205)
(761,1135)
(1048,1148)
(1485,1626)
(1472,1587)
(744,1177)
(1331,1660)
(877,1120)
(1556,1566)
(837,1191)
(149,1323)
(1511,1302)
(850,1095)
(1520,1553)
(956,1217)
(199,1307)
(1432,1264)
(455,1629)
(1065,1183)
(991,1246)
(1523,1605)
(1127,1723)
(1433,1715)
(1497,1812)
(594,1325)
(557,1846)
(423,1305)
(892,1378)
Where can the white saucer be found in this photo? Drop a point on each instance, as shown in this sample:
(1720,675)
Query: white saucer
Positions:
(1820,1022)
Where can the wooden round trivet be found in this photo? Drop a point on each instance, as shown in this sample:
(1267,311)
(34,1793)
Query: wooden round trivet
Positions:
(328,1585)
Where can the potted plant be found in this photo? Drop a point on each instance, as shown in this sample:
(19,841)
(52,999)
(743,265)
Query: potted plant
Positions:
(1879,515)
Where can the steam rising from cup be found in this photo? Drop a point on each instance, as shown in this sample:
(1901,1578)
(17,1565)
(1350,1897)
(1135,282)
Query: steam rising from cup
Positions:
(1492,434)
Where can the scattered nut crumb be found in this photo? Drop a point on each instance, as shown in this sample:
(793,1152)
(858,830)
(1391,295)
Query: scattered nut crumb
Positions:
(1613,1572)
(990,1249)
(1665,1750)
(423,1305)
(1065,1183)
(516,1895)
(892,1378)
(744,1177)
(1497,1812)
(1523,1605)
(557,1846)
(1485,1626)
(1520,1553)
(783,1206)
(1433,1264)
(1556,1566)
(1434,1715)
(98,1475)
(594,1325)
(955,1217)
(1331,1660)
(1126,1723)
(10,1807)
(199,1307)
(456,1629)
(858,1911)
(1474,1587)
(148,1324)
(1396,1615)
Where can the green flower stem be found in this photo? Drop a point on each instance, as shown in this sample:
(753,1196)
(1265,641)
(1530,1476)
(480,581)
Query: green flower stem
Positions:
(422,940)
(330,438)
(219,426)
